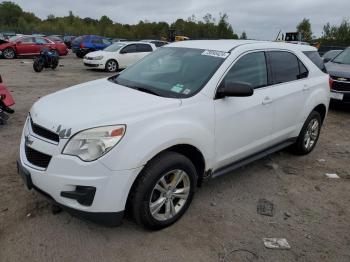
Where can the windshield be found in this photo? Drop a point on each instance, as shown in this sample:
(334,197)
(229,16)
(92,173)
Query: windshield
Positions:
(114,47)
(172,71)
(343,57)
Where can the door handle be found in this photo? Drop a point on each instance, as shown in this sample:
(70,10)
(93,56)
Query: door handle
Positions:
(267,100)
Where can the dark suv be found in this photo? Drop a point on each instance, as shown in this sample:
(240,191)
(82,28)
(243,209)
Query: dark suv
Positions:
(339,70)
(88,43)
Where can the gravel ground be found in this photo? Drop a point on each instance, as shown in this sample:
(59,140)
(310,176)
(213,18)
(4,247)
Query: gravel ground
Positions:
(311,211)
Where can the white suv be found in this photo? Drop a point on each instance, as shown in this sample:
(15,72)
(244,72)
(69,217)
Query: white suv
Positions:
(147,137)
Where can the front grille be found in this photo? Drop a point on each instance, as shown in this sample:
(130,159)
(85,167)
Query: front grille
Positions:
(37,158)
(43,132)
(341,86)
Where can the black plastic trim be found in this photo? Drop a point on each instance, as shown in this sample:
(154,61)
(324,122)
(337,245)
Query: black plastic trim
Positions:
(235,165)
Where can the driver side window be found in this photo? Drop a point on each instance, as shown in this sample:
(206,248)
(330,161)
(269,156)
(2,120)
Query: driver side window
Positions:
(251,69)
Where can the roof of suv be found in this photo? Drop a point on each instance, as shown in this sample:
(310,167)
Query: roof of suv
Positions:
(228,45)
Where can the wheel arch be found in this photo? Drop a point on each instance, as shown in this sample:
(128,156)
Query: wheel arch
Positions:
(322,110)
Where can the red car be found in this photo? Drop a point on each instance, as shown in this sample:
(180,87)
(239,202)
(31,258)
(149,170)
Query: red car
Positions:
(29,46)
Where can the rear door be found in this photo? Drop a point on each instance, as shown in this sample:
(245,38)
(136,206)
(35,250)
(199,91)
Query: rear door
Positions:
(142,50)
(41,43)
(25,46)
(244,124)
(127,55)
(290,88)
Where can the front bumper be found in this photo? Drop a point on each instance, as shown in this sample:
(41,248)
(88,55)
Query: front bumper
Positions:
(100,64)
(68,174)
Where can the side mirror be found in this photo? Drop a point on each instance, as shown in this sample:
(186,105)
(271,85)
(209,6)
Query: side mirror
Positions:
(325,60)
(238,89)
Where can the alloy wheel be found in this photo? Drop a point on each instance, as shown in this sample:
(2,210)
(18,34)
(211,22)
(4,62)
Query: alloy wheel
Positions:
(169,195)
(311,134)
(9,53)
(112,66)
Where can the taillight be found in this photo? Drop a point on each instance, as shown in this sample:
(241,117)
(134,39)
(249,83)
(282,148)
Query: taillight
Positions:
(330,82)
(81,45)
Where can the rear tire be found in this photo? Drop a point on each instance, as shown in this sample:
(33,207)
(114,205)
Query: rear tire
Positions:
(309,134)
(80,55)
(163,191)
(9,53)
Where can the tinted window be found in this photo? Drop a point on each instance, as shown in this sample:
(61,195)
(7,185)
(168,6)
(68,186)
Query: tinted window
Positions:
(143,48)
(26,40)
(284,66)
(251,69)
(303,72)
(316,59)
(158,43)
(96,41)
(129,49)
(40,40)
(106,42)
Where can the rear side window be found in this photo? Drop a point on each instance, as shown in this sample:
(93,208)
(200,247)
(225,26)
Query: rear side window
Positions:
(316,59)
(284,67)
(40,40)
(96,41)
(143,48)
(27,40)
(251,69)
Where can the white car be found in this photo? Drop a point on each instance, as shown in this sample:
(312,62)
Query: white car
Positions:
(117,56)
(150,135)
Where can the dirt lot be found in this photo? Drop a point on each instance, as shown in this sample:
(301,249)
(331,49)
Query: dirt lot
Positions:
(311,211)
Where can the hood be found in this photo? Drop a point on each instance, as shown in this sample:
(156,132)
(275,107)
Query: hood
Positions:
(340,70)
(96,103)
(95,53)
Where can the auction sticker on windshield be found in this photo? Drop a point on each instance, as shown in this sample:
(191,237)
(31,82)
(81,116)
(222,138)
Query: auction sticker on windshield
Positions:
(216,53)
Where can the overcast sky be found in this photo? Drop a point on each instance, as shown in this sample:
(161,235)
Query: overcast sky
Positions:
(261,19)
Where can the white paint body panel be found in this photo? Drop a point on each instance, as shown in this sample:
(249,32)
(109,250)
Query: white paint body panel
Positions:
(123,60)
(223,130)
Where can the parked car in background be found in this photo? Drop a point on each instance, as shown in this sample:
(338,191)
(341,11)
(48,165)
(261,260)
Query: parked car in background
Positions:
(85,44)
(339,70)
(149,135)
(114,40)
(56,38)
(68,40)
(7,35)
(157,43)
(329,55)
(29,46)
(118,55)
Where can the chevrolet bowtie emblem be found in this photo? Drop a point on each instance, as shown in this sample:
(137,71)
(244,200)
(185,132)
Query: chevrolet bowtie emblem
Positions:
(27,140)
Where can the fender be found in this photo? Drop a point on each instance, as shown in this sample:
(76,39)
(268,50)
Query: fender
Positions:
(138,147)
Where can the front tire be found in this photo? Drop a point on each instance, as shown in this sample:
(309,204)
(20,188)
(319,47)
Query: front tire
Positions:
(38,65)
(9,53)
(309,134)
(164,190)
(111,66)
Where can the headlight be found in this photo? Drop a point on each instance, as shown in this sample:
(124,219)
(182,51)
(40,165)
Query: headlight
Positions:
(97,57)
(93,143)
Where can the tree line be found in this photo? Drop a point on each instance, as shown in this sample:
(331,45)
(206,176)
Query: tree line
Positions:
(13,18)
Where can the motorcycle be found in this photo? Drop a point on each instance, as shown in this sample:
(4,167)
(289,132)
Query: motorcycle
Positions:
(6,100)
(46,59)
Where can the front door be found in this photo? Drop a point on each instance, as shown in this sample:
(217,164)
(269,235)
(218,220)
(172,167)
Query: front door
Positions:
(243,125)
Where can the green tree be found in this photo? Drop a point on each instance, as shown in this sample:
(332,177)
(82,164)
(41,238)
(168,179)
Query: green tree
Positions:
(304,27)
(9,14)
(243,36)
